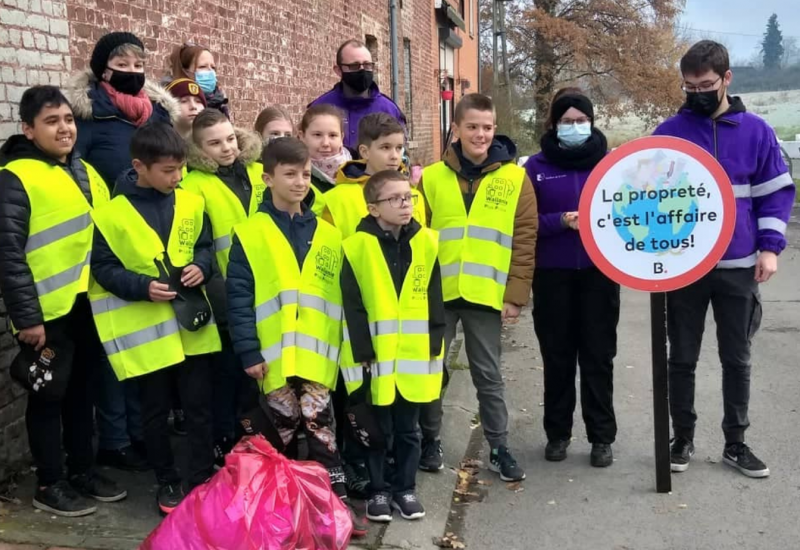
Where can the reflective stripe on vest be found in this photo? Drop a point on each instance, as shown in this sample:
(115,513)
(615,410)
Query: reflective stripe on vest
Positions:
(475,249)
(143,337)
(348,207)
(399,326)
(60,228)
(223,207)
(298,311)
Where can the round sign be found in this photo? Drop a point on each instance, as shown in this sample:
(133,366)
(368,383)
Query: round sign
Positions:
(657,214)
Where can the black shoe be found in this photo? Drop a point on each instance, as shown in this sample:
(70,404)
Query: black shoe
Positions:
(221,448)
(602,456)
(739,456)
(356,480)
(62,500)
(408,505)
(169,496)
(98,487)
(556,451)
(680,454)
(360,525)
(432,457)
(122,459)
(378,508)
(179,422)
(504,464)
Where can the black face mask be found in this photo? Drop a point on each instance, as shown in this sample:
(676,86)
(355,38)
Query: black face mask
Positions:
(703,103)
(359,81)
(126,83)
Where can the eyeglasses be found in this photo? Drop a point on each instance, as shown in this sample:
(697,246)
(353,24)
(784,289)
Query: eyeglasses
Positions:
(702,87)
(571,121)
(353,67)
(398,202)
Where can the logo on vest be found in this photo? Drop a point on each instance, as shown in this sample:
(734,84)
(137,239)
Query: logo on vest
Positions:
(419,289)
(498,193)
(260,193)
(186,233)
(327,261)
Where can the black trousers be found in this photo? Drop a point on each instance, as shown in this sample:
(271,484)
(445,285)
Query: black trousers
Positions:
(735,300)
(575,316)
(195,385)
(399,424)
(44,419)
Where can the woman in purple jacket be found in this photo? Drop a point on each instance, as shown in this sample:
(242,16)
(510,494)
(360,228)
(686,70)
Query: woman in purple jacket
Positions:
(575,307)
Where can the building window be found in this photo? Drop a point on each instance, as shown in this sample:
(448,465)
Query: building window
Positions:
(461,11)
(372,45)
(407,93)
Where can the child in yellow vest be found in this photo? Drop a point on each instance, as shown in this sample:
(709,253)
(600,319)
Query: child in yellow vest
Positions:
(285,307)
(395,320)
(381,143)
(150,222)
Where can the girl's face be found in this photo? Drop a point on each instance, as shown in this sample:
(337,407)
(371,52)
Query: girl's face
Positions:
(204,62)
(323,137)
(278,128)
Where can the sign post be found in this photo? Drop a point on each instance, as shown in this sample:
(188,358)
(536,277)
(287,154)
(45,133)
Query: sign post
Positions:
(656,215)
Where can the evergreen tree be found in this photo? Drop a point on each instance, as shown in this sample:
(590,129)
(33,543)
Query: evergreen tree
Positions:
(772,45)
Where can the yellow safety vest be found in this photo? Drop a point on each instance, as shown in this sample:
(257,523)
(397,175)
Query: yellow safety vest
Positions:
(347,206)
(399,326)
(475,248)
(223,207)
(298,311)
(60,230)
(143,337)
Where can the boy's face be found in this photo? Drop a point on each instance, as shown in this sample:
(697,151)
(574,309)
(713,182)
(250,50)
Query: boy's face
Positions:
(53,131)
(394,203)
(219,143)
(191,106)
(385,153)
(289,182)
(475,132)
(163,175)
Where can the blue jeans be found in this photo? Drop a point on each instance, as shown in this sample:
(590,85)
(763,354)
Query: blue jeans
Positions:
(118,409)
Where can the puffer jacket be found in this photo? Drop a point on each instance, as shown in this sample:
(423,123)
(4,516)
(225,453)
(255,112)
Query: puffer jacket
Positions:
(16,279)
(104,133)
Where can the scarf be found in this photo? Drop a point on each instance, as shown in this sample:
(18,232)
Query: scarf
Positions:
(330,165)
(136,108)
(584,157)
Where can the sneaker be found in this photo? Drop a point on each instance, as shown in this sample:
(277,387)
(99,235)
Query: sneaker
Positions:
(169,496)
(408,506)
(504,464)
(221,448)
(357,480)
(556,451)
(378,508)
(122,459)
(360,525)
(602,456)
(431,459)
(179,422)
(680,454)
(62,500)
(98,487)
(739,456)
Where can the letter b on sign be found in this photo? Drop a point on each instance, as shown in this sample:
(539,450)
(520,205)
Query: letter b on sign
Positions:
(658,267)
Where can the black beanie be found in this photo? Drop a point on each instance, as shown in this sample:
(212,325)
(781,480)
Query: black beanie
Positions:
(106,45)
(563,104)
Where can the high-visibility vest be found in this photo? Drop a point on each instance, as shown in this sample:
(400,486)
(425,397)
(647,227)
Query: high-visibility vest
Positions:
(318,207)
(223,207)
(143,337)
(474,248)
(60,229)
(347,206)
(298,311)
(399,326)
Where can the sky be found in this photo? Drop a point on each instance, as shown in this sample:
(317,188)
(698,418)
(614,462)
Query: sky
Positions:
(740,24)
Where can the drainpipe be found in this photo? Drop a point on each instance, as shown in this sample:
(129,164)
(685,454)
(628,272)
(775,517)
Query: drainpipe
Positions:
(478,30)
(393,46)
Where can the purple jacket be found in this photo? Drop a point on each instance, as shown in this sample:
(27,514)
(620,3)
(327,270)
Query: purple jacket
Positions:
(557,191)
(746,147)
(357,108)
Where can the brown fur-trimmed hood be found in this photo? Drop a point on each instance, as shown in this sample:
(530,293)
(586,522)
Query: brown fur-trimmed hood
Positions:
(79,85)
(250,146)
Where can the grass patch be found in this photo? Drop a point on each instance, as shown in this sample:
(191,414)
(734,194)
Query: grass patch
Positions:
(787,133)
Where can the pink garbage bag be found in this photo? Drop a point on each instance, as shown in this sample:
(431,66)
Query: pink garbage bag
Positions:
(260,500)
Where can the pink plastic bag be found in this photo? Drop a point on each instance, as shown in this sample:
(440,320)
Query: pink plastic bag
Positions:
(260,500)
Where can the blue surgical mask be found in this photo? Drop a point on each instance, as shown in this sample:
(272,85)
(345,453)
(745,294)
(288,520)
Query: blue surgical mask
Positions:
(207,80)
(574,135)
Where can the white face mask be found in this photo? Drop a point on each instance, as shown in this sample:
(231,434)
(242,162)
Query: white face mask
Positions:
(574,135)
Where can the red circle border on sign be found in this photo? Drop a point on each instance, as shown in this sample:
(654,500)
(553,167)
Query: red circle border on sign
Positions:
(728,211)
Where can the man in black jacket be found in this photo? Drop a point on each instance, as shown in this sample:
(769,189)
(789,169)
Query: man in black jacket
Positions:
(46,195)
